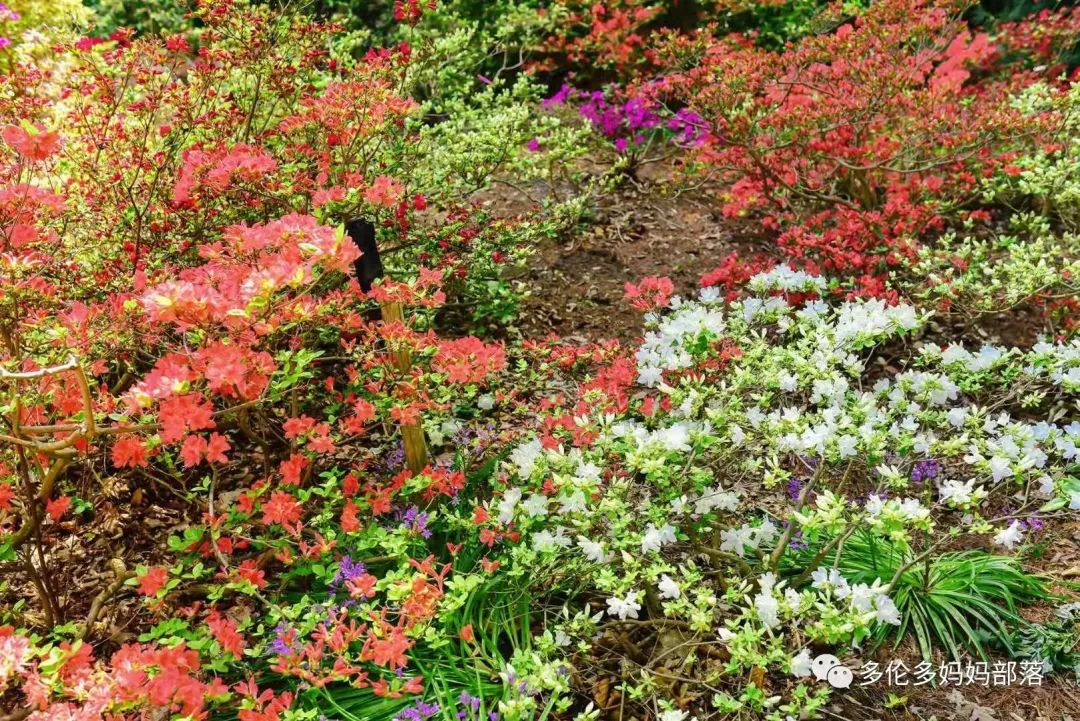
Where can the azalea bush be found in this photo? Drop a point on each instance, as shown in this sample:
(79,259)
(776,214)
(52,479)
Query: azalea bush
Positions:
(272,449)
(1027,268)
(856,147)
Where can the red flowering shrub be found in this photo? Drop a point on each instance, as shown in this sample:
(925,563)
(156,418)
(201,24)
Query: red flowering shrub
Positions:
(607,40)
(853,145)
(177,309)
(612,35)
(650,293)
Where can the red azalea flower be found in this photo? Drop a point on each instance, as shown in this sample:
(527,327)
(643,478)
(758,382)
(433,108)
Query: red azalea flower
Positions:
(57,507)
(152,581)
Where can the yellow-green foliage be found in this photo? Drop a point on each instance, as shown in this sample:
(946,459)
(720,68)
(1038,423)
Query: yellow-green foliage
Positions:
(1047,178)
(999,274)
(45,16)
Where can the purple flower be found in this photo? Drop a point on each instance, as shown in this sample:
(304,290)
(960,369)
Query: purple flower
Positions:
(348,571)
(561,96)
(797,543)
(396,459)
(469,701)
(617,121)
(925,470)
(418,712)
(280,646)
(416,521)
(794,488)
(464,435)
(689,127)
(533,145)
(627,122)
(639,117)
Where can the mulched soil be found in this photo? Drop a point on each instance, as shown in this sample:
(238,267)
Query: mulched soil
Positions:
(576,285)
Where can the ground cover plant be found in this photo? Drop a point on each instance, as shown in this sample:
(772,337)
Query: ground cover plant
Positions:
(285,437)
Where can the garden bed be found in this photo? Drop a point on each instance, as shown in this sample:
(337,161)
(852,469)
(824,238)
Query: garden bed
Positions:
(715,357)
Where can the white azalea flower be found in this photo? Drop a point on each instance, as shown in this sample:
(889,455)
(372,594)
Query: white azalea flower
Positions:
(875,505)
(735,540)
(861,597)
(767,582)
(525,457)
(794,599)
(887,612)
(573,503)
(766,533)
(913,510)
(675,437)
(588,472)
(716,499)
(624,608)
(801,664)
(1046,487)
(1000,468)
(824,578)
(655,538)
(668,588)
(507,504)
(535,505)
(957,493)
(1011,536)
(548,541)
(593,550)
(788,382)
(768,609)
(678,506)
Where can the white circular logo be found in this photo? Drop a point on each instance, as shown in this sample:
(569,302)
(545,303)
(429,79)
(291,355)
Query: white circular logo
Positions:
(840,677)
(823,664)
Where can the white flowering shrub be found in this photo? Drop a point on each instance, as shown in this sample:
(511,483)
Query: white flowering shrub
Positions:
(731,502)
(1048,176)
(1030,269)
(1029,263)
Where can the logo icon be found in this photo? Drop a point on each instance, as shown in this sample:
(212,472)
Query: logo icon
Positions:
(827,667)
